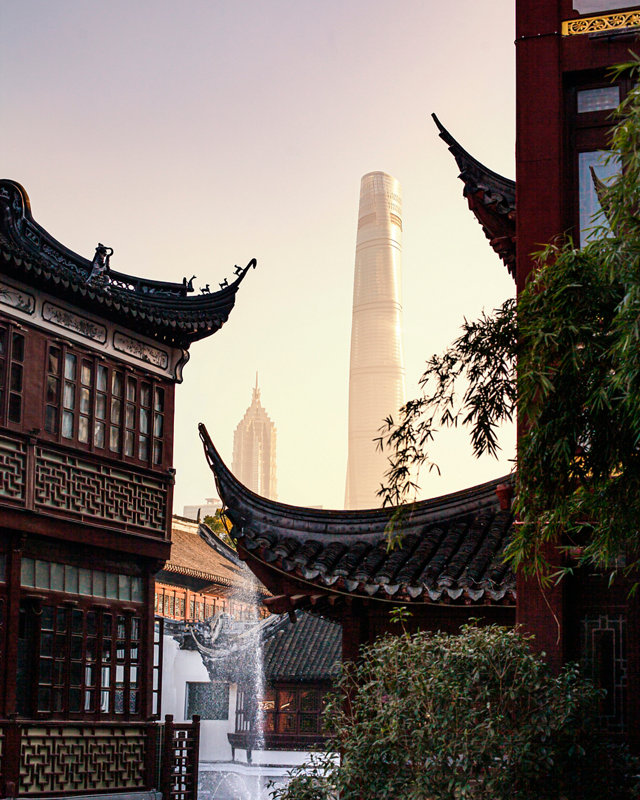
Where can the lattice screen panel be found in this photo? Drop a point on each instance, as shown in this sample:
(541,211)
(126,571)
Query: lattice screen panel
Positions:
(184,763)
(12,468)
(603,654)
(79,486)
(81,759)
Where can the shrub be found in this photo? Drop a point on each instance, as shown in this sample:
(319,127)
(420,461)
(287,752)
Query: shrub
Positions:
(473,716)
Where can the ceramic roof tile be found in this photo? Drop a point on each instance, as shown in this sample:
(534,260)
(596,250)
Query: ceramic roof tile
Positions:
(451,547)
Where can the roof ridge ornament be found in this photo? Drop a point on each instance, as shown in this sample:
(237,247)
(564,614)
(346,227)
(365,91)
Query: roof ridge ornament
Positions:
(100,266)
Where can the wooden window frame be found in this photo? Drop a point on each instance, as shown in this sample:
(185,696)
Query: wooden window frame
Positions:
(145,419)
(116,660)
(11,365)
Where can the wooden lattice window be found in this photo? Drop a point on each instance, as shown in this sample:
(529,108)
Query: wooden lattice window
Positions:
(78,661)
(294,711)
(103,407)
(12,352)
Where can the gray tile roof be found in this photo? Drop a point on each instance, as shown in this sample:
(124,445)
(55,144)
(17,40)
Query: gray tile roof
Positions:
(451,552)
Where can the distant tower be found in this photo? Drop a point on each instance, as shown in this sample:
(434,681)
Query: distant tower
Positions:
(376,376)
(254,449)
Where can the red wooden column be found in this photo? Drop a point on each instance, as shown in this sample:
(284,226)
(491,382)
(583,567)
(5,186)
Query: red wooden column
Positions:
(540,202)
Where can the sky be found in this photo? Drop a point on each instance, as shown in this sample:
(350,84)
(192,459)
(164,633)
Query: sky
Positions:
(192,136)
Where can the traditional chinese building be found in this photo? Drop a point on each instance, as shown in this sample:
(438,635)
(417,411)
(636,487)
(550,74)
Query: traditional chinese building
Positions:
(89,360)
(450,566)
(337,563)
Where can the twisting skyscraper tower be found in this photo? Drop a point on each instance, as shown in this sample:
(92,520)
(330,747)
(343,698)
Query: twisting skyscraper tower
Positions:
(254,449)
(376,376)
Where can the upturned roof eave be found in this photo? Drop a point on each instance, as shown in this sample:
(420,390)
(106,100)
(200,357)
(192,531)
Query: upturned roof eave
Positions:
(159,309)
(305,523)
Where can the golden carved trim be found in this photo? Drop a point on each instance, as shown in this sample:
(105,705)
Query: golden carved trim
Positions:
(608,22)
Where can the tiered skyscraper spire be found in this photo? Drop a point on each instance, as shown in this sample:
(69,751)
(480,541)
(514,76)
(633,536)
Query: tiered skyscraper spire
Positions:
(254,449)
(376,376)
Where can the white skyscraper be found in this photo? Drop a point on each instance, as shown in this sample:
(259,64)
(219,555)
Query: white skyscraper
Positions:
(376,376)
(254,449)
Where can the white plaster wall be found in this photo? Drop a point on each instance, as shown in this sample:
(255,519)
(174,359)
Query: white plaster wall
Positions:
(179,667)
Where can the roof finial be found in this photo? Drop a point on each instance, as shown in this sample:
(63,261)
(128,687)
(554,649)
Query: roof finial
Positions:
(256,390)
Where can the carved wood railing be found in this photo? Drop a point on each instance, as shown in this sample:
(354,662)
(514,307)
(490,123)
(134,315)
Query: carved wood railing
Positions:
(55,481)
(73,758)
(180,751)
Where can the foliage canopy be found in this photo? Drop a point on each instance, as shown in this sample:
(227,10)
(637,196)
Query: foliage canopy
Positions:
(575,336)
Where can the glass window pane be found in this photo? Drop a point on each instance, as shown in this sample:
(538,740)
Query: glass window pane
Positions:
(114,439)
(70,365)
(136,590)
(99,583)
(16,378)
(84,583)
(124,587)
(112,586)
(17,351)
(116,384)
(51,419)
(98,434)
(15,407)
(54,361)
(130,416)
(131,390)
(157,452)
(158,403)
(102,378)
(42,575)
(85,400)
(28,572)
(71,579)
(101,406)
(116,411)
(67,424)
(128,443)
(158,425)
(69,398)
(605,169)
(144,420)
(83,429)
(85,376)
(57,577)
(52,389)
(607,97)
(145,394)
(143,448)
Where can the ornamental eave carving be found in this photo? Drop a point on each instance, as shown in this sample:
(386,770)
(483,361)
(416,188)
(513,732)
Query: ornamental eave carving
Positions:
(601,23)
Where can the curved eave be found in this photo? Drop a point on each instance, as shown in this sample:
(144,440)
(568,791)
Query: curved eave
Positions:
(164,311)
(451,553)
(305,523)
(491,198)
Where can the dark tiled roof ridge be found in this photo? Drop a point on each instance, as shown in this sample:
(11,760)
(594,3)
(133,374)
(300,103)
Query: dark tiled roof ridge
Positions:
(452,546)
(158,309)
(373,521)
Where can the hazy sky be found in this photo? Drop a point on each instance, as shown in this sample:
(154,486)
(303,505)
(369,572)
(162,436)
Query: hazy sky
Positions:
(191,136)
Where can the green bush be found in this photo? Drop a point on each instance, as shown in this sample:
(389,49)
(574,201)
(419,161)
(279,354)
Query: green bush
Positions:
(476,716)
